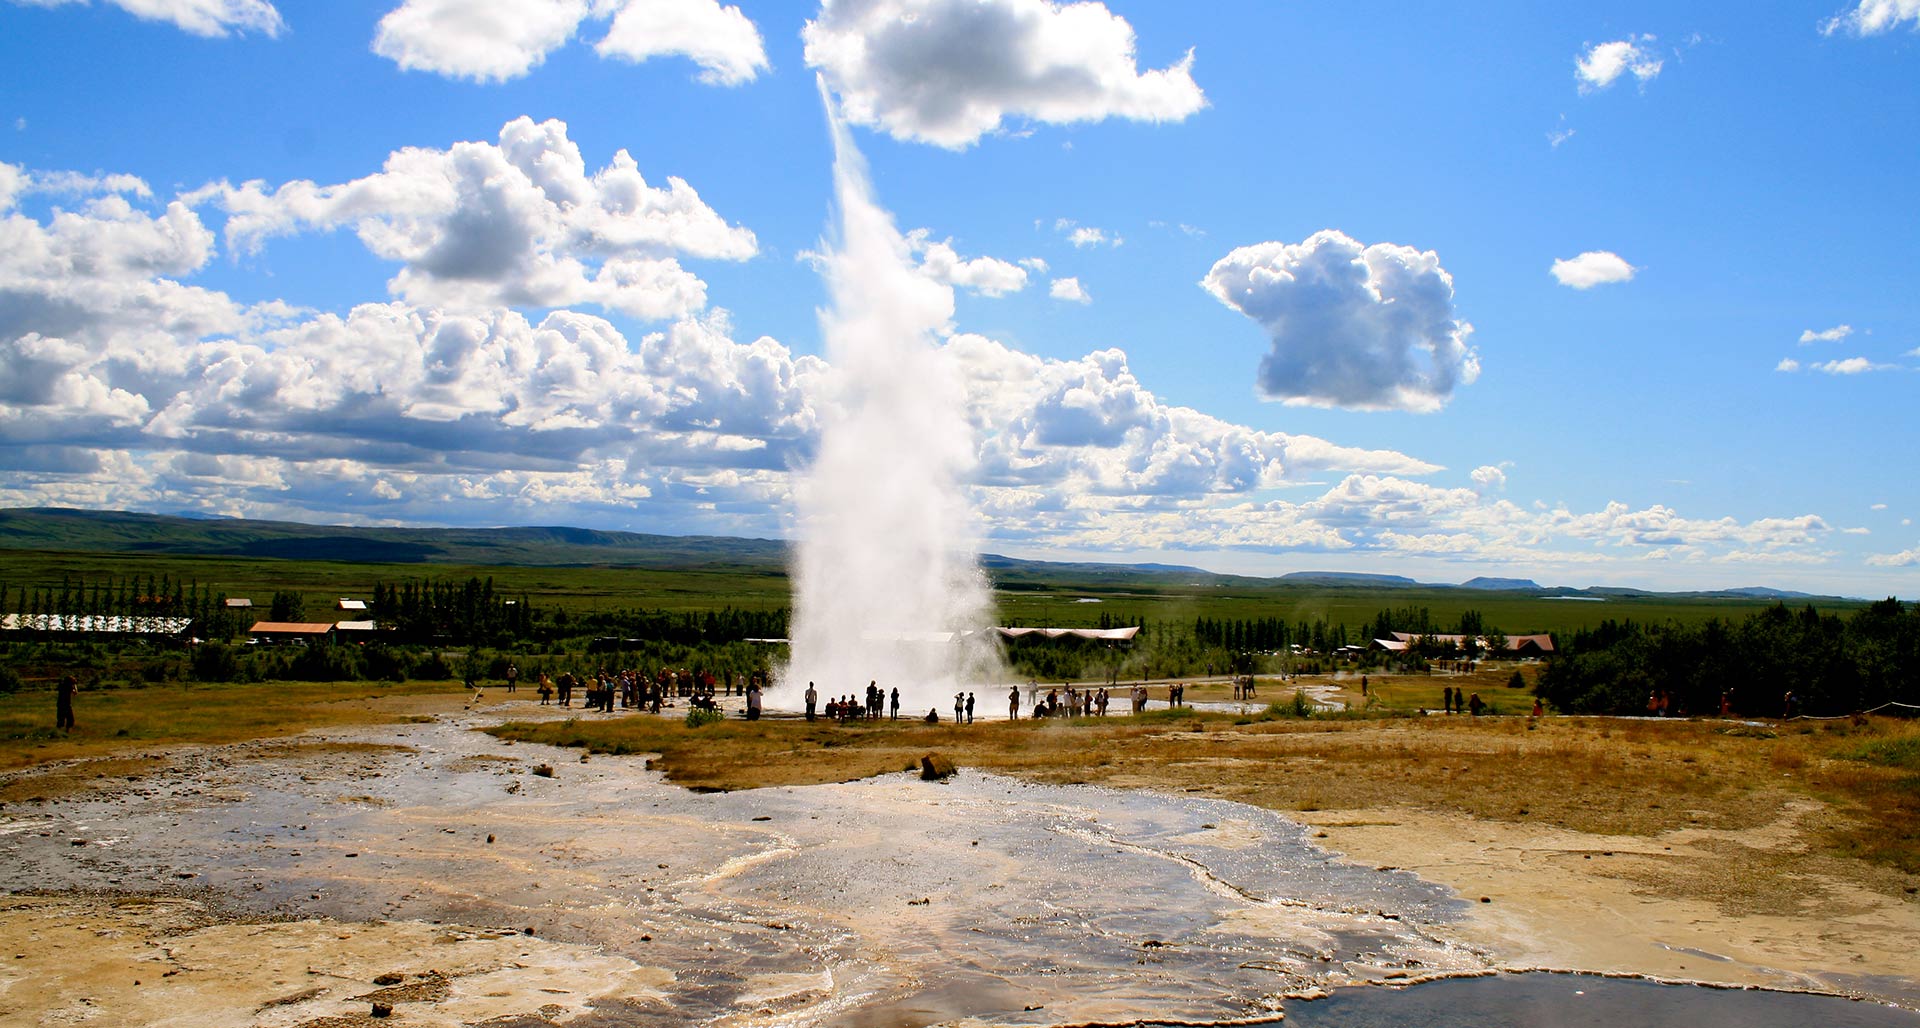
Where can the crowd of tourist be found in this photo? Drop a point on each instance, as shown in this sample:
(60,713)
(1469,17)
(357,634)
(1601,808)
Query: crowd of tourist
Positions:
(641,689)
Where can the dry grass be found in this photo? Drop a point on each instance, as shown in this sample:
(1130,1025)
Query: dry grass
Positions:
(115,721)
(1592,775)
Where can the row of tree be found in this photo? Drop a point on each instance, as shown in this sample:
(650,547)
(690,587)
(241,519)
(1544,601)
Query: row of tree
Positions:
(1829,664)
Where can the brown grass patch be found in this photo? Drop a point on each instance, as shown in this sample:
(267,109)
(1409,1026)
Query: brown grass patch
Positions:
(1589,775)
(114,721)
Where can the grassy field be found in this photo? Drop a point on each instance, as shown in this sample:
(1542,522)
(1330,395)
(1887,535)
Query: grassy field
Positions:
(321,583)
(1053,603)
(112,722)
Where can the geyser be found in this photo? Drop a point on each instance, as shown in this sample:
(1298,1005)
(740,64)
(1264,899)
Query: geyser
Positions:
(887,587)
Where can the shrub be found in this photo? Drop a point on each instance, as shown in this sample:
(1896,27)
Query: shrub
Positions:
(9,680)
(1296,707)
(431,666)
(323,663)
(699,716)
(216,662)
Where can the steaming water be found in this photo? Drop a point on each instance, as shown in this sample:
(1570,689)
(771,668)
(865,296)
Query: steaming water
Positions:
(886,585)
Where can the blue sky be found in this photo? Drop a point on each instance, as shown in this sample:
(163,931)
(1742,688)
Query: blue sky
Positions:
(1260,287)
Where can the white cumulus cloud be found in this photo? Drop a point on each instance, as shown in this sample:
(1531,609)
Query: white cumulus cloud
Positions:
(721,40)
(1593,268)
(485,40)
(518,223)
(1872,17)
(1850,366)
(1489,478)
(497,40)
(1903,559)
(950,71)
(1787,364)
(1825,335)
(987,276)
(1363,327)
(1604,63)
(213,18)
(1069,289)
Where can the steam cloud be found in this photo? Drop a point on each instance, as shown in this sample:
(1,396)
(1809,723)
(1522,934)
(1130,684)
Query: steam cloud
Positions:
(886,585)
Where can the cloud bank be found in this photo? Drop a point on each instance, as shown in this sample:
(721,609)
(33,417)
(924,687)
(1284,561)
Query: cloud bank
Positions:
(123,384)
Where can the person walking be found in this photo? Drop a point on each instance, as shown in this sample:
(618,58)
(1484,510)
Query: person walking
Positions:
(63,702)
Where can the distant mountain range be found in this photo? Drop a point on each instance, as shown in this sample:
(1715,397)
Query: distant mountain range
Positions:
(89,531)
(1528,585)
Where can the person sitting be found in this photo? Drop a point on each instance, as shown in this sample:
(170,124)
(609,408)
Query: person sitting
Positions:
(933,717)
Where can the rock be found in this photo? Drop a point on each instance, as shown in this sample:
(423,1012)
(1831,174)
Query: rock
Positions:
(389,979)
(489,838)
(934,767)
(382,1009)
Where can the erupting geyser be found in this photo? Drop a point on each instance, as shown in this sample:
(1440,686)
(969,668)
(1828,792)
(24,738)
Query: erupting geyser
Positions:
(886,585)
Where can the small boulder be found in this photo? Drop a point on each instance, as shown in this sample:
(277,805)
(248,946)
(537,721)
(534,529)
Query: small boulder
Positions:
(934,767)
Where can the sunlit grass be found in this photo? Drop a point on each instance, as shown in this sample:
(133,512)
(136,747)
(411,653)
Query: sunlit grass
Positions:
(113,721)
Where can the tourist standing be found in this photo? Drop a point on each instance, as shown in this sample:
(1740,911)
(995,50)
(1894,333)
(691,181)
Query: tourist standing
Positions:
(896,703)
(63,702)
(1013,703)
(813,697)
(969,708)
(753,702)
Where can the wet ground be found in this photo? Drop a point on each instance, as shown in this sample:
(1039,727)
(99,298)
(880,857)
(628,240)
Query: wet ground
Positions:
(880,903)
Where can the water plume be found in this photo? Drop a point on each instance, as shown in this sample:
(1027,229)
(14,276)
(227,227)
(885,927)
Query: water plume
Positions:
(887,587)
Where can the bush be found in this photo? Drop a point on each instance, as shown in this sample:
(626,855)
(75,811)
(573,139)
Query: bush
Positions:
(699,716)
(323,663)
(384,664)
(216,662)
(9,681)
(432,667)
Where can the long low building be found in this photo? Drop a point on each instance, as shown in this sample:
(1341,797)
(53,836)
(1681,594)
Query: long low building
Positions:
(1100,634)
(93,624)
(290,631)
(1517,645)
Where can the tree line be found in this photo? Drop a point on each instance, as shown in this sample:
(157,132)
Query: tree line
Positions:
(1831,665)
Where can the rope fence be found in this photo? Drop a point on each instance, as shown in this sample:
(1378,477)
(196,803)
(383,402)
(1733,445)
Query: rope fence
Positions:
(1900,708)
